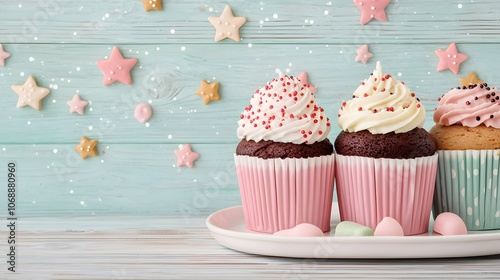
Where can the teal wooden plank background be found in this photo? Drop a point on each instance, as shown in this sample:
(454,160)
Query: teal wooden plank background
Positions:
(59,41)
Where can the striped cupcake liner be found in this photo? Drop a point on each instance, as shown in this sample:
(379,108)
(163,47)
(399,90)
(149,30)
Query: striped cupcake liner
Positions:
(467,184)
(370,189)
(279,194)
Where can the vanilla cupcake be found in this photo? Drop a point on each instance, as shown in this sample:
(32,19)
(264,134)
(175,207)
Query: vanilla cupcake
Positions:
(385,162)
(284,161)
(467,134)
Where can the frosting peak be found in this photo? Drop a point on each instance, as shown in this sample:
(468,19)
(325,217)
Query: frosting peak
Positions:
(285,110)
(382,104)
(470,106)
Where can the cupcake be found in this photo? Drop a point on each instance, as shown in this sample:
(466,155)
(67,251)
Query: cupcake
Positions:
(467,135)
(284,161)
(385,161)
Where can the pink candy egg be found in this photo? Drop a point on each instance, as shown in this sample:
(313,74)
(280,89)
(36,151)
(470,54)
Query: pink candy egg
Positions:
(448,223)
(301,230)
(388,227)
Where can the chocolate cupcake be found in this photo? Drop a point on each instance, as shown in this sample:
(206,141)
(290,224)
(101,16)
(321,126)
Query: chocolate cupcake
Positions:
(284,161)
(386,162)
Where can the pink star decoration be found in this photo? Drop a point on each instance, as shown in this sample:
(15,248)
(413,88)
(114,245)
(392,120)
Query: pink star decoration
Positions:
(450,59)
(185,156)
(372,9)
(77,104)
(362,54)
(30,94)
(227,25)
(116,68)
(3,56)
(303,78)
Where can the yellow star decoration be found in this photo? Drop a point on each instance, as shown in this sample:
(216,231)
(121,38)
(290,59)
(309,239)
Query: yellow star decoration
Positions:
(87,147)
(470,79)
(227,25)
(30,94)
(152,5)
(208,92)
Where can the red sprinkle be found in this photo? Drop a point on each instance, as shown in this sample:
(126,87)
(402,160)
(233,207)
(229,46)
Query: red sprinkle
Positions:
(320,132)
(418,105)
(360,109)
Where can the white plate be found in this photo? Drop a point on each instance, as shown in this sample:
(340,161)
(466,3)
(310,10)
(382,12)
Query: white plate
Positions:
(228,228)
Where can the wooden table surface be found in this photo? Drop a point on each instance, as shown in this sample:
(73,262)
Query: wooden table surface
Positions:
(163,247)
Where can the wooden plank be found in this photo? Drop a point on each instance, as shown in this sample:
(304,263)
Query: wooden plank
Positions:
(328,22)
(126,179)
(168,75)
(165,247)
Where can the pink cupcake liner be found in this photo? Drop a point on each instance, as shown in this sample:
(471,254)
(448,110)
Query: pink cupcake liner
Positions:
(370,189)
(279,194)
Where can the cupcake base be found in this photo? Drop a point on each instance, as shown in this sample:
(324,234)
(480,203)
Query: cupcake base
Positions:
(467,184)
(279,194)
(371,189)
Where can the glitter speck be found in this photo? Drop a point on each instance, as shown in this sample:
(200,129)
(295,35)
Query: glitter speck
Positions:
(91,127)
(54,151)
(275,16)
(172,31)
(460,6)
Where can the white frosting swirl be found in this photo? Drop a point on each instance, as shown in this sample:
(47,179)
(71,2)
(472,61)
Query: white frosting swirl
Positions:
(382,104)
(285,111)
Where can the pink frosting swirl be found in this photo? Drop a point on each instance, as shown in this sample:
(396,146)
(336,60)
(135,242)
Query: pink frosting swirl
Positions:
(469,106)
(285,110)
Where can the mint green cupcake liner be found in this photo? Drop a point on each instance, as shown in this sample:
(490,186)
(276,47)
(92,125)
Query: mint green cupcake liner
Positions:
(467,184)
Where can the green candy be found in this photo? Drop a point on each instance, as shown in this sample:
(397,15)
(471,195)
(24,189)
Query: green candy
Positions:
(347,228)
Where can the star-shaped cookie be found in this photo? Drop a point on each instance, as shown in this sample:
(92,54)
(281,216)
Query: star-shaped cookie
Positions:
(372,9)
(77,104)
(30,94)
(3,55)
(185,156)
(87,147)
(152,5)
(208,92)
(362,54)
(471,79)
(450,59)
(116,68)
(227,25)
(304,79)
